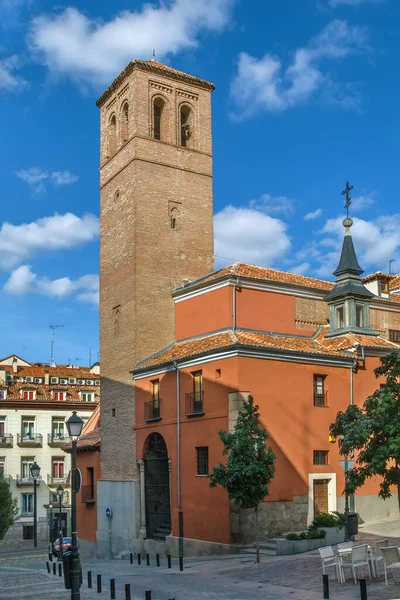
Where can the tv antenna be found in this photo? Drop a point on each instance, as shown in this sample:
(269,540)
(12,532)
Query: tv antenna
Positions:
(53,341)
(76,361)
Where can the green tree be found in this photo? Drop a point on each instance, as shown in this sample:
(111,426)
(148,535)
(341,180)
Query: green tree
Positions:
(373,432)
(8,507)
(249,467)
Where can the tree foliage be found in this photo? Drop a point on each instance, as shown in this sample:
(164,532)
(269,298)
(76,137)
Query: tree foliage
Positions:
(373,432)
(250,466)
(8,507)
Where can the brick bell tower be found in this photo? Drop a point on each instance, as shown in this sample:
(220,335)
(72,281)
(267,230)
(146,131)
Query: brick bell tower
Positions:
(156,229)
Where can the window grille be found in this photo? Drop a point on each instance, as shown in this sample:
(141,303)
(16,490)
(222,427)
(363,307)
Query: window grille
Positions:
(202,460)
(320,457)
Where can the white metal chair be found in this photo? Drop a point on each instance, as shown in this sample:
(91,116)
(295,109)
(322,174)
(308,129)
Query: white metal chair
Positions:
(345,545)
(359,558)
(329,559)
(391,559)
(377,555)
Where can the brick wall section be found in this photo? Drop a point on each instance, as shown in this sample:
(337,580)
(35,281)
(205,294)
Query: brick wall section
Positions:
(383,320)
(141,257)
(310,313)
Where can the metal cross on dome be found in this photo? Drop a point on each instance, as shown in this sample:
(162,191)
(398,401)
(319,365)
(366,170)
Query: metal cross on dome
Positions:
(346,192)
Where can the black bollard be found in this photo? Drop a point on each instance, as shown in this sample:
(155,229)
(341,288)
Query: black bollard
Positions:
(181,563)
(127,591)
(112,589)
(89,579)
(131,558)
(54,569)
(148,594)
(48,566)
(139,559)
(98,584)
(158,560)
(169,561)
(363,589)
(325,583)
(148,560)
(60,569)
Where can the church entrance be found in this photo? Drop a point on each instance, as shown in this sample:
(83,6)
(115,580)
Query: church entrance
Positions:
(158,511)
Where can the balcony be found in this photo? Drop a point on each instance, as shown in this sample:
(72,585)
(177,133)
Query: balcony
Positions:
(30,440)
(194,404)
(21,481)
(57,440)
(6,441)
(56,481)
(152,410)
(87,494)
(321,399)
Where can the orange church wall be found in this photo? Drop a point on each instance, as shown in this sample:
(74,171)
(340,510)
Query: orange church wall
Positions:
(266,311)
(204,313)
(86,514)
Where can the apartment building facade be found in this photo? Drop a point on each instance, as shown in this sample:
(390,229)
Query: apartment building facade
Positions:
(35,402)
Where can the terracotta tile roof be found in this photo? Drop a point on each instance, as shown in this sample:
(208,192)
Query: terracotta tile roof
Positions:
(350,340)
(261,273)
(226,339)
(315,345)
(395,283)
(377,275)
(87,440)
(60,371)
(156,68)
(44,393)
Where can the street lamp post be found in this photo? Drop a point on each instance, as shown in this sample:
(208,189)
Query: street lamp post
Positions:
(35,471)
(60,493)
(74,425)
(50,522)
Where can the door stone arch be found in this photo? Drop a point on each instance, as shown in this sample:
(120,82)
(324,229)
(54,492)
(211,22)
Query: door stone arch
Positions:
(157,488)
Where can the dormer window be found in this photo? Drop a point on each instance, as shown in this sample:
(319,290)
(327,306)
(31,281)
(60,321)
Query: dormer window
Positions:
(59,395)
(29,395)
(3,394)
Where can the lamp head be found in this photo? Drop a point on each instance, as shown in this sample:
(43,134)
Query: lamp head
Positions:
(50,505)
(35,470)
(60,492)
(74,425)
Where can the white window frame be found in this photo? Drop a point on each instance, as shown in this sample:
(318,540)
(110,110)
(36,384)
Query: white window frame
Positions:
(59,399)
(28,420)
(26,461)
(55,431)
(25,501)
(57,461)
(91,394)
(4,420)
(3,394)
(29,392)
(3,465)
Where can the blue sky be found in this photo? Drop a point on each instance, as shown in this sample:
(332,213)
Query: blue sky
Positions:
(307,97)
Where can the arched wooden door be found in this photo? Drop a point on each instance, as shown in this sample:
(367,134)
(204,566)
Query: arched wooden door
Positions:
(156,470)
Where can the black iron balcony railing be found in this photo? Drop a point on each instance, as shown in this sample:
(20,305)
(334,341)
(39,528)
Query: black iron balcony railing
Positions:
(152,410)
(21,480)
(56,440)
(29,439)
(58,480)
(87,494)
(321,399)
(194,404)
(27,514)
(6,441)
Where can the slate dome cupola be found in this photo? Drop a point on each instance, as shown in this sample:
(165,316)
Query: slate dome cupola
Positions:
(349,300)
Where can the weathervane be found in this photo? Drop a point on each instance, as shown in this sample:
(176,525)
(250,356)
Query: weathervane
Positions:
(346,192)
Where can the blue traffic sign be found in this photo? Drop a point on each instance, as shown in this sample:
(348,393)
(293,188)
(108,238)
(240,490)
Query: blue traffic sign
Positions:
(108,512)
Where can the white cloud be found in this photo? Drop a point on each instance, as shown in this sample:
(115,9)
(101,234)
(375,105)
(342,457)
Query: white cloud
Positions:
(36,178)
(300,269)
(360,202)
(23,281)
(273,204)
(248,235)
(63,178)
(313,215)
(264,84)
(59,232)
(9,80)
(94,51)
(376,242)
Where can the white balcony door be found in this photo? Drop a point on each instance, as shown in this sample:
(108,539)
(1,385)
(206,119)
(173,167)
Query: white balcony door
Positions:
(58,430)
(28,428)
(58,469)
(26,468)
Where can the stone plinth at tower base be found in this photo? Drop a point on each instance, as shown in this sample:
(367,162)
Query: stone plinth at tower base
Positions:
(117,533)
(274,518)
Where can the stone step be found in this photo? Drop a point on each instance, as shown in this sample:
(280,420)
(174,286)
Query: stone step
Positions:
(263,551)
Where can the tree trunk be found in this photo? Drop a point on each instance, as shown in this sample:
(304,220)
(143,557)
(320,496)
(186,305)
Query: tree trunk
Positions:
(257,537)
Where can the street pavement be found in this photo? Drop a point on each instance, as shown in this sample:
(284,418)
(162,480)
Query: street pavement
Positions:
(298,577)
